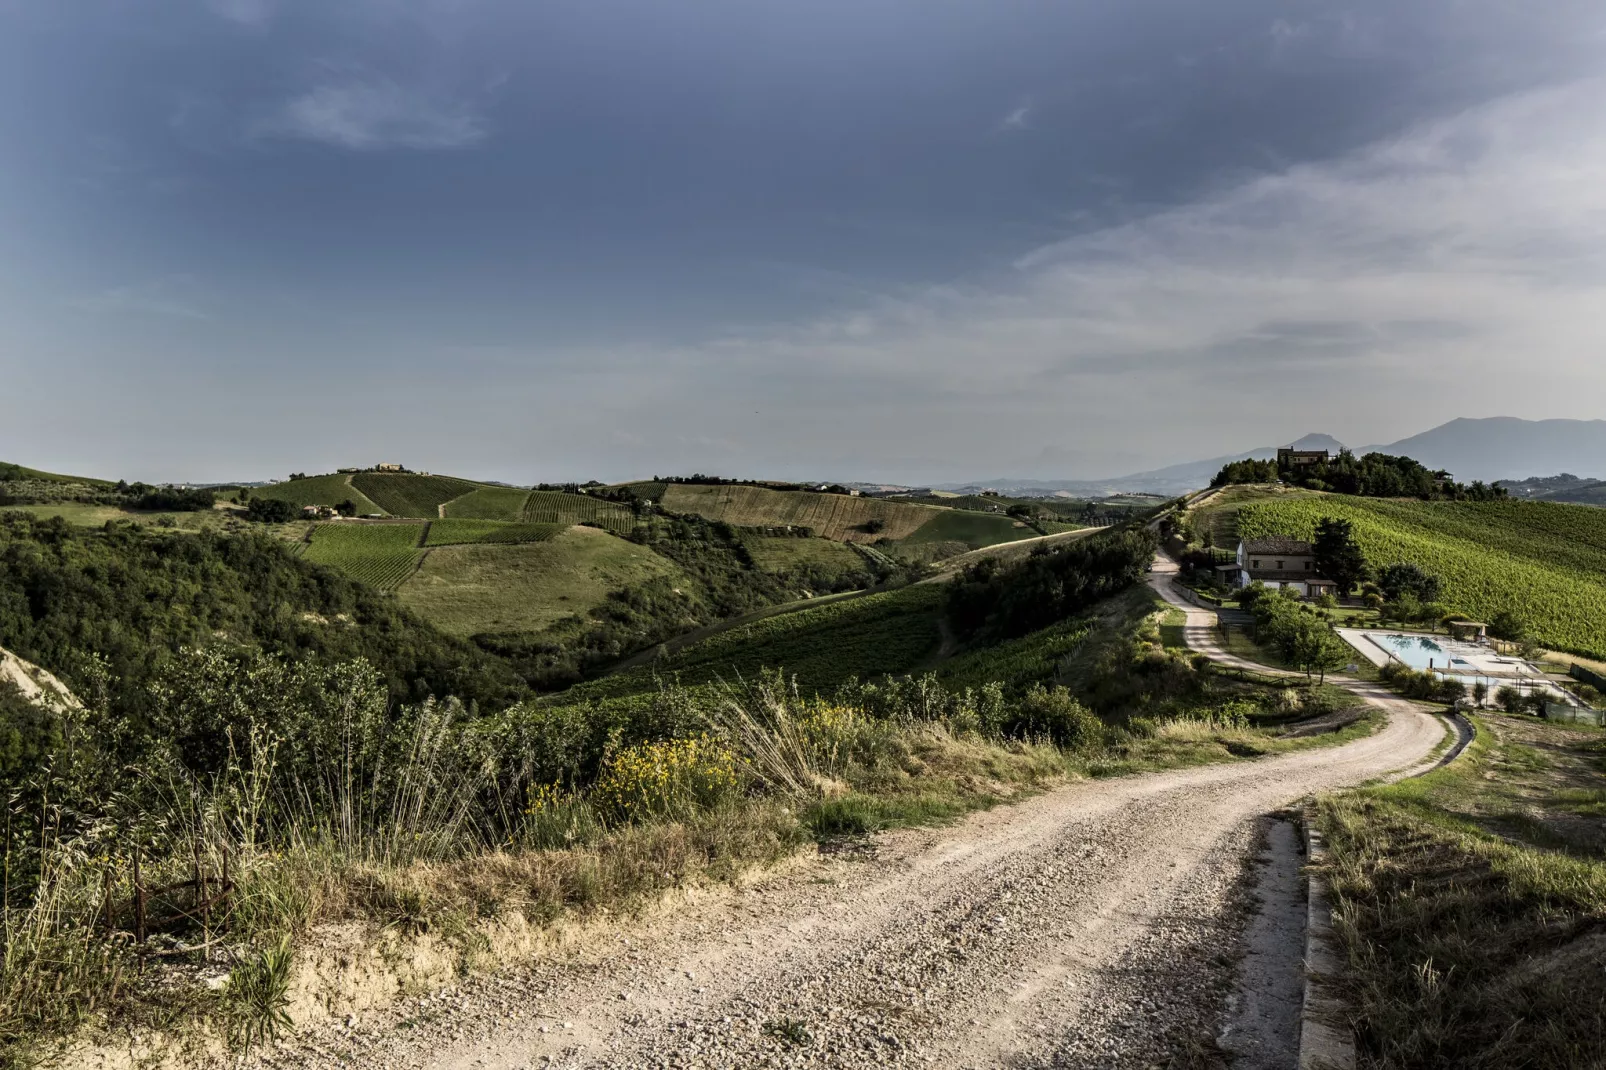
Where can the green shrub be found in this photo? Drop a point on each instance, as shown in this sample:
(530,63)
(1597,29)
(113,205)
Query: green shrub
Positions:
(1056,715)
(669,779)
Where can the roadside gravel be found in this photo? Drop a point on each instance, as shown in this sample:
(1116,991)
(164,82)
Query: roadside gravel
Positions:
(1093,926)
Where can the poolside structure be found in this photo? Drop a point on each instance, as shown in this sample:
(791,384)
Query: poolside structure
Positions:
(1468,631)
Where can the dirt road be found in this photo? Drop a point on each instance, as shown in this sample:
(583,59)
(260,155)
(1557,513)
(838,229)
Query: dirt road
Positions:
(1094,926)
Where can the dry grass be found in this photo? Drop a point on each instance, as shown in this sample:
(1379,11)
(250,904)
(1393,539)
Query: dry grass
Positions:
(1475,939)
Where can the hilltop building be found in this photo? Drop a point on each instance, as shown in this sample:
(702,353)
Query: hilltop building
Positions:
(1278,561)
(1288,457)
(389,468)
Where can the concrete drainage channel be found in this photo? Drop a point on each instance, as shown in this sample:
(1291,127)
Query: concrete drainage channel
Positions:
(1326,1041)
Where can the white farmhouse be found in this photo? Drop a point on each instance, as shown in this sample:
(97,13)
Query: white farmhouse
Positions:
(1279,561)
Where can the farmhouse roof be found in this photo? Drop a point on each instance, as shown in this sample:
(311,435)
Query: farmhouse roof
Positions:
(1278,544)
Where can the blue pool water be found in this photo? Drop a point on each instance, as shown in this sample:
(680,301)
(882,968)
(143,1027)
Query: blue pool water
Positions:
(1418,651)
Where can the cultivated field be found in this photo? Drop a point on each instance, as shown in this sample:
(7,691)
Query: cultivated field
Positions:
(973,529)
(319,490)
(783,555)
(1218,516)
(452,532)
(556,507)
(380,555)
(1542,561)
(489,503)
(404,494)
(472,589)
(833,516)
(893,632)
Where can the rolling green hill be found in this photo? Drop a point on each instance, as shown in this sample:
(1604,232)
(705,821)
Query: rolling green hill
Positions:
(10,472)
(1544,562)
(892,632)
(406,494)
(319,490)
(834,516)
(973,529)
(489,503)
(487,589)
(784,556)
(380,555)
(556,507)
(452,532)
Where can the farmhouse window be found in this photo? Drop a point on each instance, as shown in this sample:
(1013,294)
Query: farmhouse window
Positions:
(1255,563)
(1279,566)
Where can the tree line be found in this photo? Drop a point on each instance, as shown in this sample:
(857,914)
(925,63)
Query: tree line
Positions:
(1376,475)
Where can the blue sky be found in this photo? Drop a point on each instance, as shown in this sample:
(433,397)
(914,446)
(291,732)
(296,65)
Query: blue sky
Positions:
(882,239)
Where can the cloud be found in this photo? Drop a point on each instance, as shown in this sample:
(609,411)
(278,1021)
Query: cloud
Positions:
(367,114)
(1454,269)
(252,13)
(1017,119)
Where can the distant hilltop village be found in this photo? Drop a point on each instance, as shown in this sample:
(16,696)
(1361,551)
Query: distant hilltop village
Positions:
(383,467)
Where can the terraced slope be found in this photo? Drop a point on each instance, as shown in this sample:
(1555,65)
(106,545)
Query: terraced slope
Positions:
(319,490)
(1545,562)
(454,532)
(833,516)
(556,507)
(381,555)
(405,494)
(489,503)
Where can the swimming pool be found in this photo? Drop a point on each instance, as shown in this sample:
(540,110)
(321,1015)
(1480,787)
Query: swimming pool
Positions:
(1421,652)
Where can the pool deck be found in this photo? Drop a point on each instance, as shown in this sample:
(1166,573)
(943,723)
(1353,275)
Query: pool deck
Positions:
(1478,662)
(1356,638)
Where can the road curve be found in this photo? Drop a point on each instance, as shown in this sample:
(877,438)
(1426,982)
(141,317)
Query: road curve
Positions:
(1091,926)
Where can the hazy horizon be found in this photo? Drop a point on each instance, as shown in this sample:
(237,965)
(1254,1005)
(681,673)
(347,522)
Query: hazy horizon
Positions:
(896,241)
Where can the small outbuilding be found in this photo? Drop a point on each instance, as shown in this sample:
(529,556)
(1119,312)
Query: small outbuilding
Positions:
(1470,631)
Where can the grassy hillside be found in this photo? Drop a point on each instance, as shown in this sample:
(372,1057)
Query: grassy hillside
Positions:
(380,555)
(478,589)
(556,507)
(489,503)
(9,472)
(893,632)
(405,494)
(1545,562)
(833,516)
(973,529)
(319,490)
(1217,516)
(457,532)
(783,556)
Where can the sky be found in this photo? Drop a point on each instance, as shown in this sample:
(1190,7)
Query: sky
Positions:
(902,240)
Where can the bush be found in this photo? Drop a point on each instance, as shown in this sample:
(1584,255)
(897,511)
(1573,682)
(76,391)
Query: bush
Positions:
(1055,715)
(1509,699)
(670,779)
(1508,626)
(271,511)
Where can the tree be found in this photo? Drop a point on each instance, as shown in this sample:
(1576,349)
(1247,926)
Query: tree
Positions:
(271,511)
(1315,649)
(1406,577)
(1509,699)
(1508,626)
(1480,693)
(346,508)
(1338,556)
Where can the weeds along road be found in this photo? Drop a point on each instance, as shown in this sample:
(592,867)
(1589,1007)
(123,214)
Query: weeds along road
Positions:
(1091,926)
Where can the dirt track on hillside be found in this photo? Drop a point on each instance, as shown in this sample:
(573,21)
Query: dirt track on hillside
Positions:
(1093,926)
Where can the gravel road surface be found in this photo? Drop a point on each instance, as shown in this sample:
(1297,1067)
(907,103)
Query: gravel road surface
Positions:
(1097,925)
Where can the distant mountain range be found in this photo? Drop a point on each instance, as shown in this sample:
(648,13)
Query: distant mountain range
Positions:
(1497,448)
